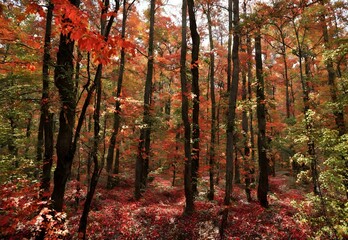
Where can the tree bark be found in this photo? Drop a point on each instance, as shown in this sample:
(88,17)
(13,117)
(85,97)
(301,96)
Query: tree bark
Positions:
(142,162)
(189,203)
(117,113)
(63,78)
(46,120)
(338,111)
(213,106)
(232,102)
(229,45)
(66,143)
(195,91)
(105,30)
(261,120)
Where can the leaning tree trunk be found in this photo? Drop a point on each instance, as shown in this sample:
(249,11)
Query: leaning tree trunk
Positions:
(262,188)
(142,162)
(189,204)
(195,90)
(105,30)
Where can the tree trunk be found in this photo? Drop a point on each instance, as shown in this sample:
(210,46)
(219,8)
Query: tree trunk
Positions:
(245,123)
(195,90)
(63,78)
(261,120)
(309,126)
(97,169)
(189,204)
(232,102)
(66,144)
(46,119)
(213,106)
(338,111)
(142,162)
(229,45)
(117,113)
(105,29)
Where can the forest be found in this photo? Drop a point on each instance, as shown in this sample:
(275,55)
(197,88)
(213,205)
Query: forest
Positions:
(173,119)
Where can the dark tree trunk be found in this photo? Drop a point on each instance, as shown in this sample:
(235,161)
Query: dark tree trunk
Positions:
(232,102)
(117,113)
(176,157)
(236,165)
(105,30)
(213,107)
(66,148)
(28,134)
(195,90)
(309,126)
(94,154)
(63,78)
(229,45)
(189,203)
(245,123)
(261,120)
(116,170)
(45,135)
(251,113)
(142,162)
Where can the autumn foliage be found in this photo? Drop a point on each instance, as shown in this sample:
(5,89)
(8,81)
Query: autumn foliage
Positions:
(235,131)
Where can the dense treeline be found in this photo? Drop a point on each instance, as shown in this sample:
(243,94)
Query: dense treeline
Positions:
(98,95)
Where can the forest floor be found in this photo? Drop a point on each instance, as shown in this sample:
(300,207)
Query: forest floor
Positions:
(159,214)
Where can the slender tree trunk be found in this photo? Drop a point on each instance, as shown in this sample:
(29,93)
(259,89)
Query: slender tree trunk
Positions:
(46,119)
(116,170)
(247,165)
(105,29)
(195,90)
(229,45)
(142,162)
(189,203)
(28,134)
(232,104)
(117,113)
(309,126)
(97,169)
(251,113)
(261,120)
(213,107)
(175,162)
